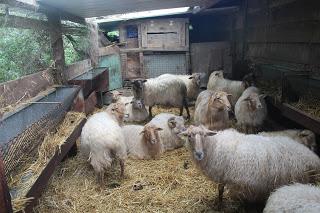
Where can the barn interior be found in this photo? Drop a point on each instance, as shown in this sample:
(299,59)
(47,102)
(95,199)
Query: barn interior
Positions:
(44,107)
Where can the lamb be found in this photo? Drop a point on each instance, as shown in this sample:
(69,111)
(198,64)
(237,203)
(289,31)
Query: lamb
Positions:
(172,125)
(192,83)
(212,110)
(102,140)
(142,141)
(250,110)
(169,91)
(296,198)
(305,137)
(251,165)
(218,83)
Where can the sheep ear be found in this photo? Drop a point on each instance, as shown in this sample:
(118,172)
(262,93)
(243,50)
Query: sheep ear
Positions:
(142,132)
(262,96)
(210,133)
(191,77)
(145,80)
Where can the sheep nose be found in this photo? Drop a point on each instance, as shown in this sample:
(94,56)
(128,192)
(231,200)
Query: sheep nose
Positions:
(153,141)
(259,106)
(199,155)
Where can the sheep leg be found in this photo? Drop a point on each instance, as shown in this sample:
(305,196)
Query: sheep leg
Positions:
(100,178)
(122,168)
(181,111)
(150,111)
(185,104)
(220,195)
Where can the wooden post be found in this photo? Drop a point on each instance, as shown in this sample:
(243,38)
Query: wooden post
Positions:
(5,198)
(57,47)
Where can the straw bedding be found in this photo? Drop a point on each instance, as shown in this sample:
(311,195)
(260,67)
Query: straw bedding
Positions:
(170,184)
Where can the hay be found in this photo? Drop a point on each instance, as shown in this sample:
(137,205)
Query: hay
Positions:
(308,104)
(271,88)
(171,184)
(23,179)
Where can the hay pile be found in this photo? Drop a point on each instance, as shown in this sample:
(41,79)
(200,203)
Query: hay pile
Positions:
(22,180)
(171,184)
(308,104)
(271,88)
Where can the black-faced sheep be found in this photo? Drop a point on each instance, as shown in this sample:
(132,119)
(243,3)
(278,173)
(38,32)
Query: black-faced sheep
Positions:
(172,125)
(142,142)
(102,140)
(163,91)
(212,110)
(250,110)
(252,166)
(296,198)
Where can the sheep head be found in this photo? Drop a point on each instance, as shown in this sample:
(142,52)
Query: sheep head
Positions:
(116,96)
(118,110)
(253,101)
(176,126)
(138,103)
(150,134)
(196,79)
(217,74)
(308,138)
(196,137)
(137,87)
(219,100)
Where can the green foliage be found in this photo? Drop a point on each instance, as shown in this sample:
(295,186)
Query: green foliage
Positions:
(23,52)
(75,48)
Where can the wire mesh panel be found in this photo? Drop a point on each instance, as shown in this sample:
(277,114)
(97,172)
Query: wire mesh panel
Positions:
(22,132)
(158,64)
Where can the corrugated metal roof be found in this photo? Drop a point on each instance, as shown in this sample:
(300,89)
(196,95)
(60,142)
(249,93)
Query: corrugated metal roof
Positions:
(95,8)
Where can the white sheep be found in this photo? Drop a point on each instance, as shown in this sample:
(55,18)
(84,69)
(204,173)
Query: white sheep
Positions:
(250,110)
(305,136)
(192,83)
(172,125)
(212,110)
(142,142)
(296,198)
(218,83)
(102,140)
(252,166)
(169,91)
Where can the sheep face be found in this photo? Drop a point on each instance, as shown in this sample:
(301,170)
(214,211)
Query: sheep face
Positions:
(116,96)
(196,138)
(253,101)
(137,88)
(196,79)
(150,134)
(118,110)
(219,100)
(308,138)
(176,126)
(138,103)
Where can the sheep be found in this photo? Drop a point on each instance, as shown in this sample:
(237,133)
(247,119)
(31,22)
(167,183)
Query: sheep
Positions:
(137,111)
(102,140)
(142,141)
(172,125)
(192,83)
(296,198)
(164,91)
(305,137)
(250,110)
(212,110)
(252,166)
(218,83)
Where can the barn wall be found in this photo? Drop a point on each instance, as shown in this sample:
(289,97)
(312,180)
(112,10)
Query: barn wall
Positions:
(279,35)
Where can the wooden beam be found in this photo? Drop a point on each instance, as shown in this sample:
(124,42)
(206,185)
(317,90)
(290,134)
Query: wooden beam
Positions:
(54,22)
(219,11)
(207,4)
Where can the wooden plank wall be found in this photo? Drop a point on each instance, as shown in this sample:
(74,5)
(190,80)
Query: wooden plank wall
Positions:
(279,32)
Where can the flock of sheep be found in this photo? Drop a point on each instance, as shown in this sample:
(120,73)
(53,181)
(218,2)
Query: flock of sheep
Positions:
(250,163)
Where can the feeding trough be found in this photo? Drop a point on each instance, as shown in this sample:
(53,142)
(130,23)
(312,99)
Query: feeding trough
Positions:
(23,130)
(92,80)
